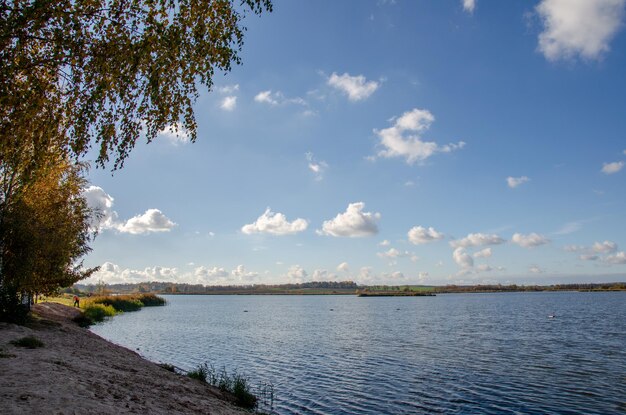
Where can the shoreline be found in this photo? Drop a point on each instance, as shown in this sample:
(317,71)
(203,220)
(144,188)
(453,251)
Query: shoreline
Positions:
(77,371)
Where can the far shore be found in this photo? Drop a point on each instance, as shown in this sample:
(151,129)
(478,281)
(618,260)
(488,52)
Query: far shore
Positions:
(78,372)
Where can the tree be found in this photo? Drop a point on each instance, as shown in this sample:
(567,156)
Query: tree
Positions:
(106,72)
(45,230)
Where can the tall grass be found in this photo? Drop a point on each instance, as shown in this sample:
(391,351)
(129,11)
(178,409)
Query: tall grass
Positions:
(234,384)
(131,302)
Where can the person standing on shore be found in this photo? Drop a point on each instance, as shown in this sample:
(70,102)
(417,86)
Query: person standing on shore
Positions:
(76,301)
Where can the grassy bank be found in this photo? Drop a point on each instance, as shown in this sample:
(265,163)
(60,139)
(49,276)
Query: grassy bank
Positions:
(97,308)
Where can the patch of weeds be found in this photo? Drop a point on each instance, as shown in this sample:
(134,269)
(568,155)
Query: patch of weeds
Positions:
(200,373)
(29,342)
(168,367)
(4,355)
(235,385)
(98,312)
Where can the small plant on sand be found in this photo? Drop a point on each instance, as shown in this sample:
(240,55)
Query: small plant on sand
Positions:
(234,384)
(168,367)
(29,342)
(94,313)
(200,373)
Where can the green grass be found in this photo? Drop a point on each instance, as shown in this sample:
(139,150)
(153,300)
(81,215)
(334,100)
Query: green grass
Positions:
(131,302)
(28,342)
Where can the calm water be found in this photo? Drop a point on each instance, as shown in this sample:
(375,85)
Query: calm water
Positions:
(455,353)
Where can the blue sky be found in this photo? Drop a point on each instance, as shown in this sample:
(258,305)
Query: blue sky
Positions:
(394,142)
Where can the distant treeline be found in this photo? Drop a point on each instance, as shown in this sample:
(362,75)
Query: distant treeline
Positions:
(611,286)
(329,287)
(314,287)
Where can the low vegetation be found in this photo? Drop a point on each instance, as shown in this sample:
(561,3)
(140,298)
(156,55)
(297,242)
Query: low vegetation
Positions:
(235,384)
(28,342)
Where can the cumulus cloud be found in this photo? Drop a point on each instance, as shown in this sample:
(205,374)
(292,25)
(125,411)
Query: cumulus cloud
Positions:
(419,235)
(403,139)
(229,103)
(240,274)
(588,257)
(317,167)
(535,269)
(175,133)
(296,274)
(356,87)
(111,273)
(384,243)
(606,247)
(573,248)
(578,28)
(343,267)
(618,259)
(612,168)
(102,204)
(469,5)
(275,224)
(477,239)
(484,268)
(352,223)
(206,275)
(152,220)
(462,258)
(323,275)
(513,182)
(485,253)
(529,241)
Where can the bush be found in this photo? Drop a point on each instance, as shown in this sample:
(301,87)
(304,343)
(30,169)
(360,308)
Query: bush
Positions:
(120,302)
(151,300)
(236,384)
(29,342)
(98,312)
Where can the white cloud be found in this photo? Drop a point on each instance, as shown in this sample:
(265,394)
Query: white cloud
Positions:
(477,239)
(612,168)
(485,253)
(606,247)
(574,248)
(352,223)
(267,97)
(102,204)
(318,168)
(242,275)
(530,241)
(343,267)
(355,87)
(423,275)
(229,103)
(420,235)
(403,139)
(513,182)
(296,274)
(228,89)
(152,220)
(175,133)
(275,224)
(323,275)
(208,275)
(588,257)
(384,243)
(484,268)
(111,273)
(618,259)
(578,28)
(277,98)
(469,5)
(393,253)
(365,275)
(462,258)
(534,269)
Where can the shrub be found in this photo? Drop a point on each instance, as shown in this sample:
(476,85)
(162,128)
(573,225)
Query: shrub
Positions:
(98,312)
(29,342)
(120,302)
(150,300)
(236,384)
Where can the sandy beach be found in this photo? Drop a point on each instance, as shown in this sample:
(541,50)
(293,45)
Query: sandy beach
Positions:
(78,372)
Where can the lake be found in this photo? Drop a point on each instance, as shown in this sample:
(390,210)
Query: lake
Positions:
(455,353)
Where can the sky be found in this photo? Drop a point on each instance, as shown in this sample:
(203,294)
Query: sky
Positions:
(389,142)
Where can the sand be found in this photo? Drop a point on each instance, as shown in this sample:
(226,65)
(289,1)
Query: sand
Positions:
(78,372)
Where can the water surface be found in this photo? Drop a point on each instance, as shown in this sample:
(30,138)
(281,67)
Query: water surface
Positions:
(455,353)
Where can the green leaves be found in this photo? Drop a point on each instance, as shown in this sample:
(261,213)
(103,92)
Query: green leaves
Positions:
(112,71)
